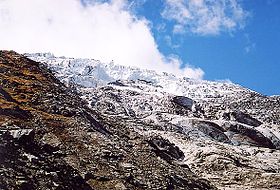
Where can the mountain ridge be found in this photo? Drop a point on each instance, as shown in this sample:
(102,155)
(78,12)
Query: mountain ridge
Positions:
(110,72)
(132,134)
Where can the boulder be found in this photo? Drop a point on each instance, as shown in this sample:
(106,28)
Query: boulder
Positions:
(165,149)
(184,102)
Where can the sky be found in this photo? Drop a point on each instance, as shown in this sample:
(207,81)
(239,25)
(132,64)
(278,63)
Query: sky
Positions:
(225,40)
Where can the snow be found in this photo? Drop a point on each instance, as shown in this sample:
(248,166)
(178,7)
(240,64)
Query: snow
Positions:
(147,97)
(153,88)
(30,156)
(92,73)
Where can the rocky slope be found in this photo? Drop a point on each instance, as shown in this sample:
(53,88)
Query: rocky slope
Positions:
(113,127)
(50,139)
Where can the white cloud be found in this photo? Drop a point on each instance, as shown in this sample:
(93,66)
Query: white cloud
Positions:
(249,45)
(179,29)
(205,17)
(169,42)
(101,30)
(189,71)
(228,81)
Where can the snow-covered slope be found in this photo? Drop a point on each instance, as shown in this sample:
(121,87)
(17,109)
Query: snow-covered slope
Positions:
(92,73)
(229,135)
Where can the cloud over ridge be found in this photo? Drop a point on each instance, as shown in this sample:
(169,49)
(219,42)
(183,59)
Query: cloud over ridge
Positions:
(100,30)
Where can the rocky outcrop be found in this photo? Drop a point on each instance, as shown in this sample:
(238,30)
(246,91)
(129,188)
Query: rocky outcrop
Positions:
(241,117)
(184,102)
(166,150)
(51,139)
(244,134)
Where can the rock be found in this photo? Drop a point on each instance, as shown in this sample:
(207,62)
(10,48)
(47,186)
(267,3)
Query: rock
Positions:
(270,135)
(15,112)
(51,140)
(241,117)
(6,95)
(211,129)
(166,150)
(117,83)
(120,186)
(180,183)
(250,135)
(184,102)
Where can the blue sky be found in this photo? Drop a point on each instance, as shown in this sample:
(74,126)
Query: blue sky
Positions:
(249,56)
(236,40)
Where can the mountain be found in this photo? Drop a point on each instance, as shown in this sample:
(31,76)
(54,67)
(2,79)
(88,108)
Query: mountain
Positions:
(81,124)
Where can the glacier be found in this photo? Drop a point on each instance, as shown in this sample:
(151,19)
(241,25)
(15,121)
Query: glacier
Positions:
(229,134)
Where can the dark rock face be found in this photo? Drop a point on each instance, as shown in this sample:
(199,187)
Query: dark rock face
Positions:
(184,101)
(211,129)
(166,150)
(241,117)
(15,112)
(50,139)
(35,166)
(257,138)
(6,95)
(118,83)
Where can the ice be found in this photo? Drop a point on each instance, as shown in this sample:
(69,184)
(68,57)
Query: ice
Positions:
(92,73)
